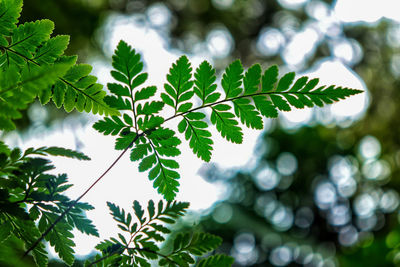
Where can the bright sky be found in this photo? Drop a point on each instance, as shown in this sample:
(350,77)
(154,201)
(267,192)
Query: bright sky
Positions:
(124,183)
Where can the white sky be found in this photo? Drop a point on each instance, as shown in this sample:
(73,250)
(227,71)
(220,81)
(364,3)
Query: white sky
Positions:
(125,184)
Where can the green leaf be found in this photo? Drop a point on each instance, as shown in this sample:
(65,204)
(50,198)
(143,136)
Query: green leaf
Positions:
(145,93)
(112,125)
(265,107)
(140,151)
(251,79)
(179,84)
(25,39)
(83,224)
(60,151)
(285,82)
(200,141)
(219,260)
(149,108)
(17,91)
(51,50)
(226,125)
(118,89)
(139,212)
(299,84)
(205,83)
(9,14)
(147,162)
(232,79)
(280,103)
(203,243)
(128,65)
(124,140)
(247,113)
(269,79)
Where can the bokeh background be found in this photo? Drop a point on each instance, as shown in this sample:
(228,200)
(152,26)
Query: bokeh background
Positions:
(318,187)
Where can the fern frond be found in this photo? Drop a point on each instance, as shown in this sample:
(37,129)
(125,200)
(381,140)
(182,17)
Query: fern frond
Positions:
(25,39)
(28,46)
(17,90)
(57,151)
(9,14)
(29,182)
(144,233)
(249,96)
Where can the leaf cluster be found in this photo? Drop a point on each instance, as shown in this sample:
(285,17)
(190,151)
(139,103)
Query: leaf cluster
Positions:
(243,98)
(139,244)
(33,64)
(31,199)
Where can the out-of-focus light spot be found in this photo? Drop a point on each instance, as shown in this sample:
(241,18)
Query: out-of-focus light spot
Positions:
(282,218)
(222,4)
(347,187)
(281,256)
(367,223)
(37,114)
(267,178)
(328,263)
(292,4)
(395,65)
(389,201)
(270,41)
(219,42)
(159,15)
(393,36)
(348,235)
(371,11)
(341,172)
(300,47)
(364,205)
(347,50)
(244,242)
(369,147)
(340,168)
(286,163)
(222,213)
(317,10)
(339,215)
(304,217)
(376,169)
(244,249)
(269,208)
(178,4)
(393,239)
(325,195)
(301,254)
(295,118)
(263,201)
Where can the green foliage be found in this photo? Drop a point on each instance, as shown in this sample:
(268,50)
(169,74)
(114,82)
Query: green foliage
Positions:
(139,244)
(32,63)
(32,199)
(248,97)
(219,260)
